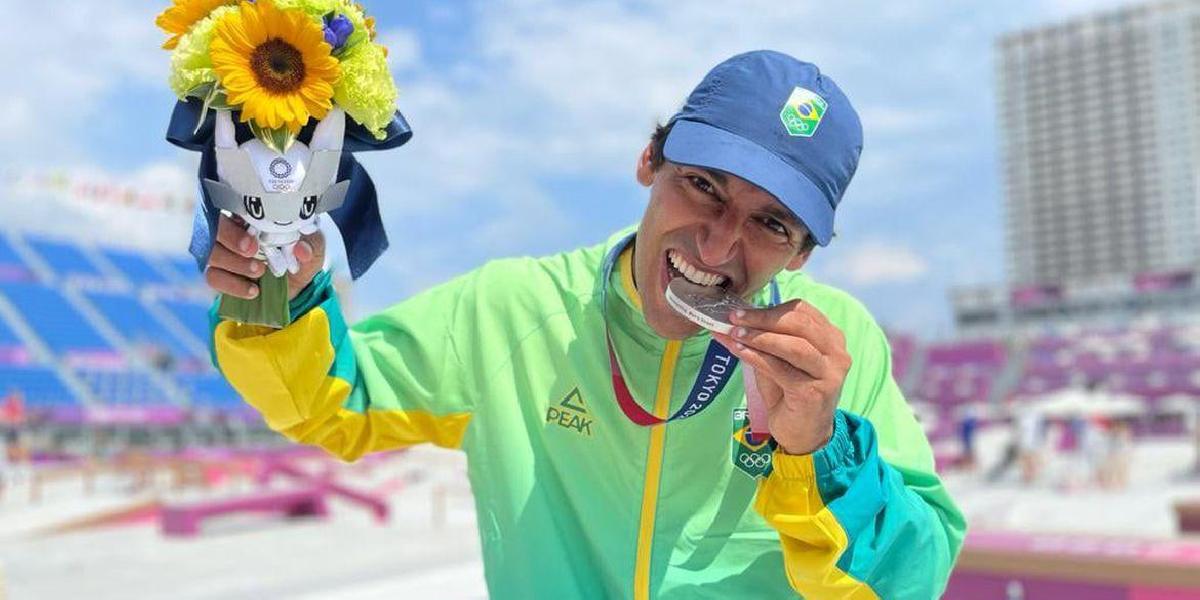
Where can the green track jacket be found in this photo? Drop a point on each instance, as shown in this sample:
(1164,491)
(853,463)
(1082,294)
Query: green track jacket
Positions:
(509,363)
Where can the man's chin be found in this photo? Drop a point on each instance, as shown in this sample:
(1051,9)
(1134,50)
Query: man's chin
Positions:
(674,327)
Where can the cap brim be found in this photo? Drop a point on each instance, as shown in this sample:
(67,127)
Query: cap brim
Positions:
(694,143)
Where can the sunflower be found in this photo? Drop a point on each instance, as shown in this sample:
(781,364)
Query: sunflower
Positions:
(275,65)
(178,19)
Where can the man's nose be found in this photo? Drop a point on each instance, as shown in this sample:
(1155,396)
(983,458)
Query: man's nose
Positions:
(718,241)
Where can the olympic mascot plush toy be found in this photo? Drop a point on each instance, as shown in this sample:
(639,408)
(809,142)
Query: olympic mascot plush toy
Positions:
(280,196)
(276,95)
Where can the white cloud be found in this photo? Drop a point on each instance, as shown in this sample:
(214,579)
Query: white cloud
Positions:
(404,48)
(550,90)
(573,90)
(38,209)
(62,67)
(875,262)
(1065,9)
(894,120)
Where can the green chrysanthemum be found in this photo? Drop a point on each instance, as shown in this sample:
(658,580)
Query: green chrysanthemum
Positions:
(366,90)
(191,64)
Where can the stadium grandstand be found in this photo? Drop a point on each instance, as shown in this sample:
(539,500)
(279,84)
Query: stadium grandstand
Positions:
(91,332)
(97,333)
(104,348)
(1154,362)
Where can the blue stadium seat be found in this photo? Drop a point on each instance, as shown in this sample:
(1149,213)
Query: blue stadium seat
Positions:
(12,348)
(209,389)
(128,388)
(135,267)
(185,266)
(8,337)
(135,324)
(194,317)
(64,259)
(12,268)
(53,318)
(40,386)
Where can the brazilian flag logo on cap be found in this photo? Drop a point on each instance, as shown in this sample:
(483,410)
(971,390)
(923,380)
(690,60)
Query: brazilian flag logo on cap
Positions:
(802,113)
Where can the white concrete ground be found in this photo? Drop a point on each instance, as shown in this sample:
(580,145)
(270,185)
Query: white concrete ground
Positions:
(430,548)
(423,551)
(1061,500)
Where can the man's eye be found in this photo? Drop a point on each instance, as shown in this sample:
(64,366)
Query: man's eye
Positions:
(776,226)
(702,184)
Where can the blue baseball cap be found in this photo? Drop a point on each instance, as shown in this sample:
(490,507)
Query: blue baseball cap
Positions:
(778,123)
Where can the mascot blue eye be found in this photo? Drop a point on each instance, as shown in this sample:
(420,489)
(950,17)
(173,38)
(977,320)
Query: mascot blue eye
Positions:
(254,206)
(308,207)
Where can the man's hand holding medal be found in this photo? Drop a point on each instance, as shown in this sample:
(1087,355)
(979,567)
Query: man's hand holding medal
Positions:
(799,360)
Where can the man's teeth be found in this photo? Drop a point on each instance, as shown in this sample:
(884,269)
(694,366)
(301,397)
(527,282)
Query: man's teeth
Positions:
(693,274)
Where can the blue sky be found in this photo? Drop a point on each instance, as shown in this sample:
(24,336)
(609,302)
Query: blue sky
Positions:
(529,115)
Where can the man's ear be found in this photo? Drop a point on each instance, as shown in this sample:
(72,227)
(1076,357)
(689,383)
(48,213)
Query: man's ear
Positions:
(798,261)
(645,169)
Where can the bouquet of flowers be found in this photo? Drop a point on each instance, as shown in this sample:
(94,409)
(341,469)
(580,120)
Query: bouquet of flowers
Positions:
(303,83)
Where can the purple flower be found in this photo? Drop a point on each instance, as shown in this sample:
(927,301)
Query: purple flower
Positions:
(337,29)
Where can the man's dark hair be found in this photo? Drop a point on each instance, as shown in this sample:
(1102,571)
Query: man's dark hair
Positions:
(658,139)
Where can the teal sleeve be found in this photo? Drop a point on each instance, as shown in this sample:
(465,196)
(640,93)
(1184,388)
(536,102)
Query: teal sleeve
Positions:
(317,292)
(866,516)
(903,530)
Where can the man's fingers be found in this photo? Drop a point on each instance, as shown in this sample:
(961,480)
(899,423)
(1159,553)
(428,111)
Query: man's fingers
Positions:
(797,352)
(796,318)
(310,248)
(309,253)
(227,283)
(780,311)
(225,259)
(783,373)
(235,237)
(303,251)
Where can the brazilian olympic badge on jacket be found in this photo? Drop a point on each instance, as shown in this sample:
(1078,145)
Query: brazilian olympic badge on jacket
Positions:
(752,456)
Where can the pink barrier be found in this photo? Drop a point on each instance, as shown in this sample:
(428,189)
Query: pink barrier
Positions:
(15,355)
(122,415)
(1182,553)
(1017,566)
(185,520)
(1158,282)
(372,502)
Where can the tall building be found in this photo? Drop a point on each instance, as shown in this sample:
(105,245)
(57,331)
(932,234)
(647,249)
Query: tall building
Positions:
(1099,119)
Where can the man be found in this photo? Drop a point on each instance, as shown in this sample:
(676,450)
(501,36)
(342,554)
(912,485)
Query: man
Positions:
(554,375)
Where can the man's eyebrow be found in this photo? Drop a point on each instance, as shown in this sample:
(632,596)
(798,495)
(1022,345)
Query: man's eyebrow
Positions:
(718,176)
(773,209)
(782,214)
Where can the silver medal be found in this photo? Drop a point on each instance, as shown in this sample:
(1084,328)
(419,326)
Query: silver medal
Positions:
(706,306)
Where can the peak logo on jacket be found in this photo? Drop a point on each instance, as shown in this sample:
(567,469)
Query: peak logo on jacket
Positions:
(571,413)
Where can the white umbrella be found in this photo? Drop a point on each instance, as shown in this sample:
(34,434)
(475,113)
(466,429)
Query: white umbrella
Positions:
(1072,402)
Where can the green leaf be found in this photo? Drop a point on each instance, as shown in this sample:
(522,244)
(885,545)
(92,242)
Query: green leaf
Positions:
(202,90)
(214,98)
(279,139)
(269,308)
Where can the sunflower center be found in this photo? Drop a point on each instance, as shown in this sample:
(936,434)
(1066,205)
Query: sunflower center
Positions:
(278,66)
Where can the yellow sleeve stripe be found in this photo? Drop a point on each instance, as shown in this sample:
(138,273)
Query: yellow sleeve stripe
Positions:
(276,371)
(349,434)
(813,540)
(284,375)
